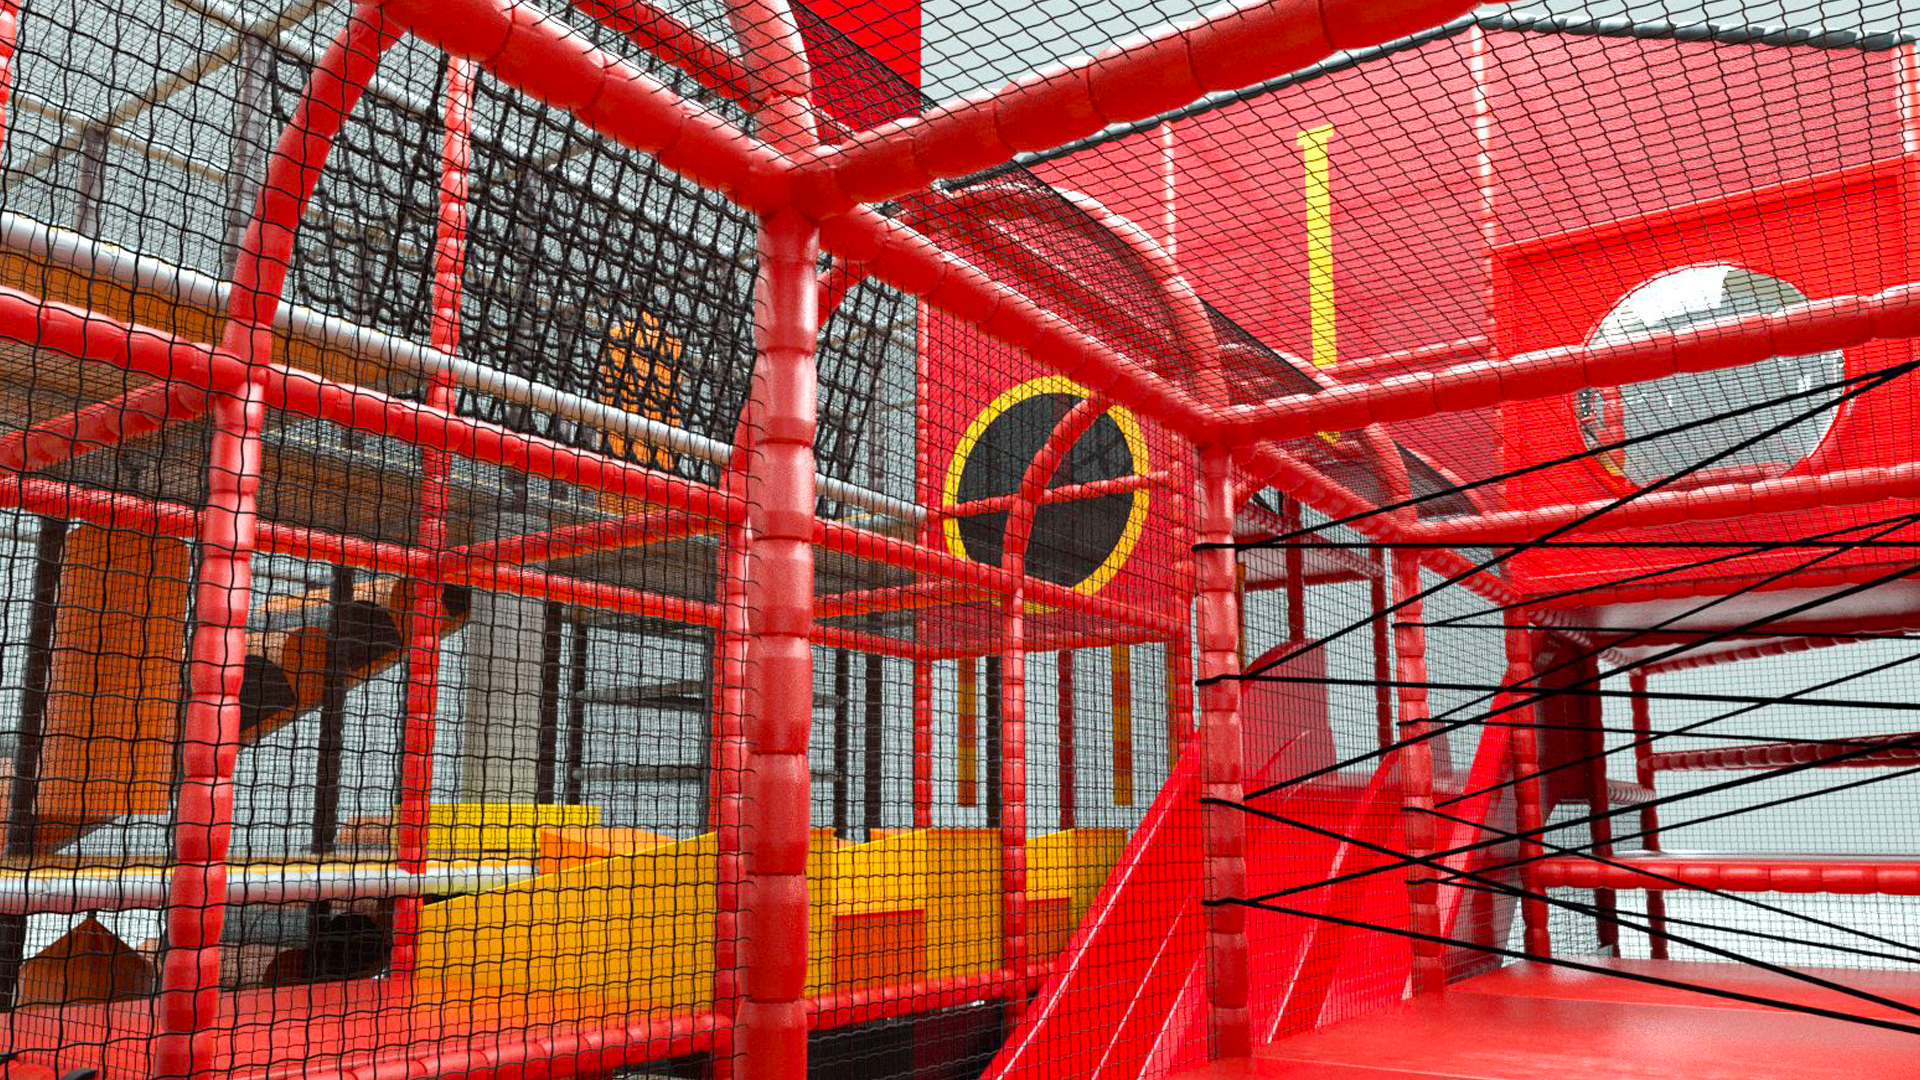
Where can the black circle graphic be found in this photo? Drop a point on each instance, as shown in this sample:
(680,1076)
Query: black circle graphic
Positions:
(1071,540)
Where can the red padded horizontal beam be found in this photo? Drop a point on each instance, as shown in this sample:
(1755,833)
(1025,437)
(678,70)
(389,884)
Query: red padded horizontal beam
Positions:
(1753,873)
(1774,755)
(1816,326)
(1228,48)
(1852,487)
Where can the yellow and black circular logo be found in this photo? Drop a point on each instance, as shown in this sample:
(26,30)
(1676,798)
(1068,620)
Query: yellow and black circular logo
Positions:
(1079,543)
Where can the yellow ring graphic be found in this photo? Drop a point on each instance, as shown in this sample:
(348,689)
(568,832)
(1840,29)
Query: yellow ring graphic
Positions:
(1130,431)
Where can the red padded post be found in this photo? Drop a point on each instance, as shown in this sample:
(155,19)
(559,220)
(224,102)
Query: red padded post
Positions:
(1013,695)
(1528,811)
(1649,814)
(189,1004)
(1416,768)
(1222,769)
(424,607)
(770,1031)
(1382,648)
(923,744)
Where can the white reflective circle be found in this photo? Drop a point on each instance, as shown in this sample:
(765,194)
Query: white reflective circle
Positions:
(1681,298)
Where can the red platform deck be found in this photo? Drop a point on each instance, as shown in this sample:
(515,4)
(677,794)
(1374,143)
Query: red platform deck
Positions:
(1530,1023)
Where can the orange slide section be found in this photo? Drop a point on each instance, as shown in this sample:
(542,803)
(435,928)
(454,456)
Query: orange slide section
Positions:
(119,648)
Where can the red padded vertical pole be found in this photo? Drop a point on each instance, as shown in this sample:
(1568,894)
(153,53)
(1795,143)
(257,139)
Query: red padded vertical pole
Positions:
(1416,768)
(1179,686)
(770,1028)
(1649,814)
(1382,649)
(424,607)
(1222,768)
(1067,777)
(1524,746)
(730,762)
(189,1003)
(1529,811)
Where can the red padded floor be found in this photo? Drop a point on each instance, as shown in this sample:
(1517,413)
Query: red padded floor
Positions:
(1533,1023)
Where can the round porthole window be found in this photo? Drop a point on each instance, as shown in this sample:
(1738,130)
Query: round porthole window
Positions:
(1672,301)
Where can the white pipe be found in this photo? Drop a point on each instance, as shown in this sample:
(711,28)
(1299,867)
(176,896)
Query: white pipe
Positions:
(145,273)
(74,891)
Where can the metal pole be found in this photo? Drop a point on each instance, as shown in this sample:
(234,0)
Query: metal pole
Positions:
(333,715)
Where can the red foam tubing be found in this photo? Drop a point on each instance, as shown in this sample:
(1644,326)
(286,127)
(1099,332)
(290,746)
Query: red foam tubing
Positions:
(1529,806)
(1091,489)
(185,1043)
(1402,361)
(678,44)
(1774,755)
(527,48)
(423,613)
(907,555)
(916,265)
(1229,49)
(1837,875)
(1643,770)
(570,541)
(1223,829)
(770,1027)
(100,425)
(537,55)
(1013,679)
(1815,326)
(1755,651)
(1786,494)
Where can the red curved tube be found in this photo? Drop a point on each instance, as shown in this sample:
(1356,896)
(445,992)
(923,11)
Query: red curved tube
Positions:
(914,264)
(189,994)
(984,203)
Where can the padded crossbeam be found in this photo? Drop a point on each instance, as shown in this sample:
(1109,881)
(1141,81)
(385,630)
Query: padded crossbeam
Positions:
(1904,751)
(1882,875)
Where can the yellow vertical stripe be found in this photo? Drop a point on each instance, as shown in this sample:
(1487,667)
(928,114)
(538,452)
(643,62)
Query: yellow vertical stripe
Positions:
(1316,167)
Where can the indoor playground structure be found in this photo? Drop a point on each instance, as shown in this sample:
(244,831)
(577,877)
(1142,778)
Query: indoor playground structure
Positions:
(915,540)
